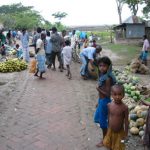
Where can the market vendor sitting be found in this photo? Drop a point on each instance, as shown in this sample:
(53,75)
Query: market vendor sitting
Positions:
(19,51)
(87,56)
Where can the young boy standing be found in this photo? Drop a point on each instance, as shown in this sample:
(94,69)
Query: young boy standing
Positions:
(67,57)
(118,120)
(106,80)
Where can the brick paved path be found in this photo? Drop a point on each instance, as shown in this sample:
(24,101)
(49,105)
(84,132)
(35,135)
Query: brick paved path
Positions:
(51,114)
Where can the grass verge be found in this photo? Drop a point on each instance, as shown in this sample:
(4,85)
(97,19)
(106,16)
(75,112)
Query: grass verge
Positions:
(126,52)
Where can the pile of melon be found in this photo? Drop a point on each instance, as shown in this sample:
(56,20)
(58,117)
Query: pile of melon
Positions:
(123,77)
(137,119)
(130,84)
(132,91)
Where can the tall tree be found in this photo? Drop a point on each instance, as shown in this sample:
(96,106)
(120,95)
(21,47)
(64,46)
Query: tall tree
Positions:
(59,15)
(14,8)
(19,16)
(120,4)
(133,5)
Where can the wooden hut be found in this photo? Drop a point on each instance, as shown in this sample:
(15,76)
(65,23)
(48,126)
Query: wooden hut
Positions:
(130,31)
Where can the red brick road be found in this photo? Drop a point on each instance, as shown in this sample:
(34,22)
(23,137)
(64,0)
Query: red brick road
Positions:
(51,114)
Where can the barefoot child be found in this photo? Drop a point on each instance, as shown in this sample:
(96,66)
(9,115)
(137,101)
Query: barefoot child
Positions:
(67,55)
(146,140)
(40,56)
(118,120)
(106,80)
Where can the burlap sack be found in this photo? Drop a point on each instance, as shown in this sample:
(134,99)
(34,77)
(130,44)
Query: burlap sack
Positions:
(33,63)
(93,71)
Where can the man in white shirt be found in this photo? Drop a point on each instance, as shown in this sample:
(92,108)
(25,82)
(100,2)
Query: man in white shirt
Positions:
(88,55)
(144,53)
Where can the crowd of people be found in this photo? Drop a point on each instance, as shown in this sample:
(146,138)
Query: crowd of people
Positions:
(112,115)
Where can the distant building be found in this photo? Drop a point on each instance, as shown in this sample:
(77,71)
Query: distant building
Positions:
(130,31)
(87,28)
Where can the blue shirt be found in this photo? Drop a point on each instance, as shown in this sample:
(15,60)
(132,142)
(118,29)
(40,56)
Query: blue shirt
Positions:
(88,52)
(48,48)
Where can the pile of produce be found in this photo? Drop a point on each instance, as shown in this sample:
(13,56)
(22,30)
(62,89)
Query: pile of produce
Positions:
(130,102)
(134,92)
(136,66)
(13,52)
(13,65)
(130,84)
(137,118)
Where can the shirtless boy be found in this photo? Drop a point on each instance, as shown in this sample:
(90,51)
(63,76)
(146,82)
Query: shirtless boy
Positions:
(118,120)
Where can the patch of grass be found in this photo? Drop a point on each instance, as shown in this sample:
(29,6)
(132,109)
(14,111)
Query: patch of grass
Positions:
(126,52)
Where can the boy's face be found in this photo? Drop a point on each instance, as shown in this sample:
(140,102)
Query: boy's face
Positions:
(117,95)
(103,67)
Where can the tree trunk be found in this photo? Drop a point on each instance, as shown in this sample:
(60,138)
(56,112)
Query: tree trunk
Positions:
(119,8)
(120,18)
(135,9)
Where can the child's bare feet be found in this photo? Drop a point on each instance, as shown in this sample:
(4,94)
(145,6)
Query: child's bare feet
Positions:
(69,76)
(100,144)
(42,78)
(36,75)
(54,69)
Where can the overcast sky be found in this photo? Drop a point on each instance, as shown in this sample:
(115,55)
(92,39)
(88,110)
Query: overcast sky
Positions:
(80,12)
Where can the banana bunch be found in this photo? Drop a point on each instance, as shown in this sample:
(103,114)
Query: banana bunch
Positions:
(13,65)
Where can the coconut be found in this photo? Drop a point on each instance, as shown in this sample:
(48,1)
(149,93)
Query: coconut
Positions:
(132,124)
(143,69)
(134,131)
(141,133)
(140,122)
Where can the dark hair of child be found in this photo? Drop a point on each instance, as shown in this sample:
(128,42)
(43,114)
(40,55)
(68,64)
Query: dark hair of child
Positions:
(119,86)
(39,30)
(67,42)
(54,29)
(104,60)
(145,36)
(17,45)
(48,33)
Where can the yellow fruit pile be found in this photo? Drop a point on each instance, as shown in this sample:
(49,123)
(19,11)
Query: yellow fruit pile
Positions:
(13,65)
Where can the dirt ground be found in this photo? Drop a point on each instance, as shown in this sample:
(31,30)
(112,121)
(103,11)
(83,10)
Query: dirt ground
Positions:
(53,114)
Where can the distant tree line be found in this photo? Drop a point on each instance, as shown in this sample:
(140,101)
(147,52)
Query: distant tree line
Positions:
(17,16)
